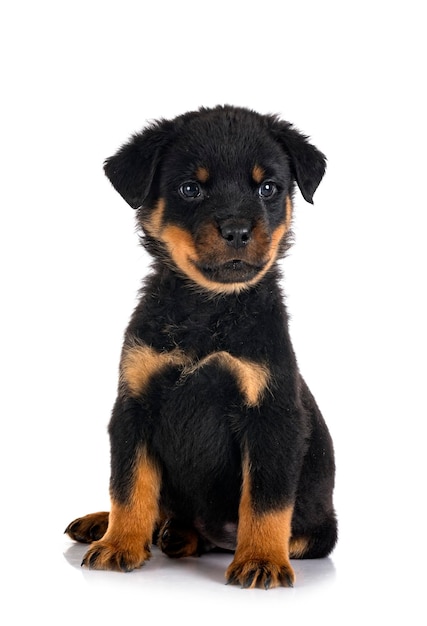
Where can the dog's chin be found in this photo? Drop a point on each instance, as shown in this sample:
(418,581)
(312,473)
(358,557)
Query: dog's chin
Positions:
(235,271)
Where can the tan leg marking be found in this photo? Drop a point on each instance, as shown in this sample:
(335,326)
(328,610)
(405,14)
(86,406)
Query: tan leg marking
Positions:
(126,544)
(262,554)
(140,363)
(252,378)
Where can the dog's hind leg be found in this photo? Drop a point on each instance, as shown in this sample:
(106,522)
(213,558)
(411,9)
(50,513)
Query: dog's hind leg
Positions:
(316,544)
(89,528)
(314,527)
(177,539)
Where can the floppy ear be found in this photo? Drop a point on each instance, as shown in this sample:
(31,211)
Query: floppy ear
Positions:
(132,169)
(308,164)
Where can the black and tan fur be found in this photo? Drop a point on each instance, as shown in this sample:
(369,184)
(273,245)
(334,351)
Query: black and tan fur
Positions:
(216,440)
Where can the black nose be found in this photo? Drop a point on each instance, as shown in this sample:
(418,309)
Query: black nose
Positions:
(236,233)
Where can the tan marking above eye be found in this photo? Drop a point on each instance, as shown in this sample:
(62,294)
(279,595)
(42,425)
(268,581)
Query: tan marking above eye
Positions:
(202,174)
(258,174)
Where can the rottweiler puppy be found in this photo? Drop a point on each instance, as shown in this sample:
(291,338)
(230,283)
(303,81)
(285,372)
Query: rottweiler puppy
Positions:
(216,440)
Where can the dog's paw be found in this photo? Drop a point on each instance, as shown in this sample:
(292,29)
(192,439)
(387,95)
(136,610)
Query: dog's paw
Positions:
(177,540)
(89,528)
(262,573)
(106,555)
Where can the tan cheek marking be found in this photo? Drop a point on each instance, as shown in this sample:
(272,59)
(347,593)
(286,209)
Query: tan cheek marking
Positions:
(140,363)
(181,248)
(202,174)
(258,174)
(276,238)
(180,245)
(288,209)
(209,240)
(260,243)
(153,223)
(252,378)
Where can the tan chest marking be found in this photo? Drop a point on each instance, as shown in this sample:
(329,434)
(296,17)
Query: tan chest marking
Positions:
(140,363)
(252,378)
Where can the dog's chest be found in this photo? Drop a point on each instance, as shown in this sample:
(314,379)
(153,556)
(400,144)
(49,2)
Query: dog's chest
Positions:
(200,333)
(200,326)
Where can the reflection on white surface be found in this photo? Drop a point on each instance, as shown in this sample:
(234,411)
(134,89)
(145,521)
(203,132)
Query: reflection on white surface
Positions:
(204,570)
(49,585)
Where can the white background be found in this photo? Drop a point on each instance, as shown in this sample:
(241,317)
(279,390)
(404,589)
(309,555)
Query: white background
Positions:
(77,79)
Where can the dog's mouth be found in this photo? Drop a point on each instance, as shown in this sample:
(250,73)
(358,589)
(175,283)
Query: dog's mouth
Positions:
(234,271)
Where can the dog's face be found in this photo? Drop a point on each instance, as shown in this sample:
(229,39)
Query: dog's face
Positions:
(214,189)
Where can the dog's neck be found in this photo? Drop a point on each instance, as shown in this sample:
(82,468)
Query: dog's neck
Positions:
(166,281)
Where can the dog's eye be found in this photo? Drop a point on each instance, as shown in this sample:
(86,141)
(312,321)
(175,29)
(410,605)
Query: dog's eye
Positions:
(190,189)
(267,189)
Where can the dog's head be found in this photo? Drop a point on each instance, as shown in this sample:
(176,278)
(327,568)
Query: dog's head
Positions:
(213,191)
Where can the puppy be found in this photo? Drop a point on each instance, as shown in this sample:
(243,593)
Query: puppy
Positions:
(216,440)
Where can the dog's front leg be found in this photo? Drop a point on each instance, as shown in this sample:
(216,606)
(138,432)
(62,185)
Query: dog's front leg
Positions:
(134,489)
(262,554)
